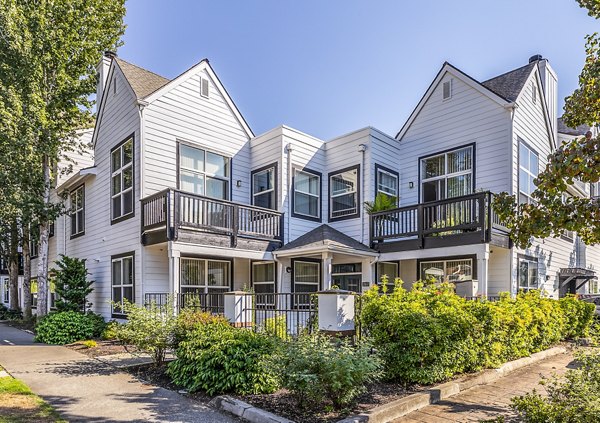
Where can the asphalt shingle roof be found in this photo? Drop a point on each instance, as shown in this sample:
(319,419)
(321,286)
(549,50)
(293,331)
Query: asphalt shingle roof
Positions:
(564,129)
(510,84)
(325,235)
(142,81)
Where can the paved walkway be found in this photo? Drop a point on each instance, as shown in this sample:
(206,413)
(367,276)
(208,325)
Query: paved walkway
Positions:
(83,389)
(490,401)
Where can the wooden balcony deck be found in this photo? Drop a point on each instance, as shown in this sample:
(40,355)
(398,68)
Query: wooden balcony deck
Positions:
(463,220)
(173,215)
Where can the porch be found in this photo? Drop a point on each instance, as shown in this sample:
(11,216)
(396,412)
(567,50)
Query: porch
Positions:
(464,220)
(173,215)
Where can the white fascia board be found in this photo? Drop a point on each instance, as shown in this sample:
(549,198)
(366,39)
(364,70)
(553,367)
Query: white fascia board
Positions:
(324,249)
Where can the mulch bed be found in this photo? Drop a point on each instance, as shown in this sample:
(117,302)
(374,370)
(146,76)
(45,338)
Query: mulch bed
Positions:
(284,404)
(103,348)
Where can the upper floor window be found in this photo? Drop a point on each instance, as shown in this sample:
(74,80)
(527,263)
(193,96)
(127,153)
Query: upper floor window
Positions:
(77,211)
(528,273)
(122,180)
(528,171)
(307,194)
(263,187)
(344,195)
(447,175)
(386,181)
(203,172)
(33,248)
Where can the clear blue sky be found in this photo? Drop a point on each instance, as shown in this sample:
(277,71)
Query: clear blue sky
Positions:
(330,67)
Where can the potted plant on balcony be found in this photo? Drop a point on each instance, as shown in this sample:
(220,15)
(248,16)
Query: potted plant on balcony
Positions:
(382,202)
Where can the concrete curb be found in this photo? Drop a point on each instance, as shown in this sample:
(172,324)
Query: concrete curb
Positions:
(403,406)
(245,411)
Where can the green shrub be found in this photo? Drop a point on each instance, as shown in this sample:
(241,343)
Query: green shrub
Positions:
(572,399)
(67,327)
(188,319)
(429,334)
(72,286)
(315,367)
(150,329)
(217,358)
(110,331)
(8,314)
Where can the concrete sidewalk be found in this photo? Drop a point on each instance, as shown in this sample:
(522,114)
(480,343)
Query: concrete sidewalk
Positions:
(83,389)
(489,401)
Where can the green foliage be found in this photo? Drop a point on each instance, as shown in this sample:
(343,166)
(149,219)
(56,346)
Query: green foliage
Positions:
(189,318)
(8,314)
(150,329)
(72,286)
(429,334)
(90,343)
(316,367)
(217,358)
(110,331)
(66,327)
(573,399)
(277,326)
(382,202)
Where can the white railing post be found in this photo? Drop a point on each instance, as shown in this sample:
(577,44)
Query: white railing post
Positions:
(238,308)
(337,313)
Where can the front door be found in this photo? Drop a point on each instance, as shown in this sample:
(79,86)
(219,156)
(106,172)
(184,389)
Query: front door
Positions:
(347,276)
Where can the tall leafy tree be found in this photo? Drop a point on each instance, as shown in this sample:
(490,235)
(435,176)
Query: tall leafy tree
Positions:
(578,160)
(48,52)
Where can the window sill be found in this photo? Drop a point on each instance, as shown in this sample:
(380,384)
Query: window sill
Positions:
(80,234)
(304,217)
(348,217)
(122,218)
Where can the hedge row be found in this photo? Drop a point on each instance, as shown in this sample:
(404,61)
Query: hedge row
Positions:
(429,334)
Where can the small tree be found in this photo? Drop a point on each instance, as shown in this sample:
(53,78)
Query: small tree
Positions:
(382,202)
(72,285)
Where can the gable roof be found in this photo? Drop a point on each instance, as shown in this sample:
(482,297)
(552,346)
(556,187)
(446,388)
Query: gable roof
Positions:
(143,82)
(470,81)
(510,84)
(325,236)
(564,129)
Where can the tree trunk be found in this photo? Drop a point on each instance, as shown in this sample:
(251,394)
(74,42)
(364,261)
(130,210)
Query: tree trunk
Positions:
(13,267)
(42,280)
(26,274)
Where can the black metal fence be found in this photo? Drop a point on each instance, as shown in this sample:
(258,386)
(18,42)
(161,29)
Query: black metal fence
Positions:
(211,302)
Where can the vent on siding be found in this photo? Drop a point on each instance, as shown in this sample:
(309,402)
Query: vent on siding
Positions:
(533,92)
(447,89)
(204,87)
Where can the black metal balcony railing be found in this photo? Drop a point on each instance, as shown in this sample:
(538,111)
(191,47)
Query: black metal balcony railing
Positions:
(173,210)
(470,215)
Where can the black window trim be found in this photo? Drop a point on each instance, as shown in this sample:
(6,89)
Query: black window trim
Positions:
(205,257)
(358,194)
(534,151)
(121,218)
(273,166)
(78,234)
(473,145)
(115,257)
(379,167)
(179,142)
(473,257)
(378,276)
(293,196)
(308,260)
(526,257)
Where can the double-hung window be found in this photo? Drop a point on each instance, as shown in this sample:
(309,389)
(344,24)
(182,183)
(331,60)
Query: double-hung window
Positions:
(528,273)
(78,211)
(306,279)
(453,271)
(122,180)
(386,182)
(344,196)
(447,175)
(202,276)
(528,170)
(263,187)
(122,282)
(203,172)
(307,194)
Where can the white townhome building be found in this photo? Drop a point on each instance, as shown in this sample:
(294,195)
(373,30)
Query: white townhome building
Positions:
(180,196)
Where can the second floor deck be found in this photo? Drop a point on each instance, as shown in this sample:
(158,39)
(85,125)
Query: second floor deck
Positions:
(173,215)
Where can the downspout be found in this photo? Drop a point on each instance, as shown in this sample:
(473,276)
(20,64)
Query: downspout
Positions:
(142,105)
(289,149)
(511,107)
(362,148)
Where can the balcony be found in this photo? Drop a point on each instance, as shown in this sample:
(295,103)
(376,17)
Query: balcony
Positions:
(173,215)
(454,221)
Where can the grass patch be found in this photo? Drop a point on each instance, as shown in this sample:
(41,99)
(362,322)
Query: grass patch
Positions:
(18,404)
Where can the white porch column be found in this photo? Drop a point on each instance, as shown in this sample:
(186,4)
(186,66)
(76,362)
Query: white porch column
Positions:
(174,257)
(327,267)
(483,260)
